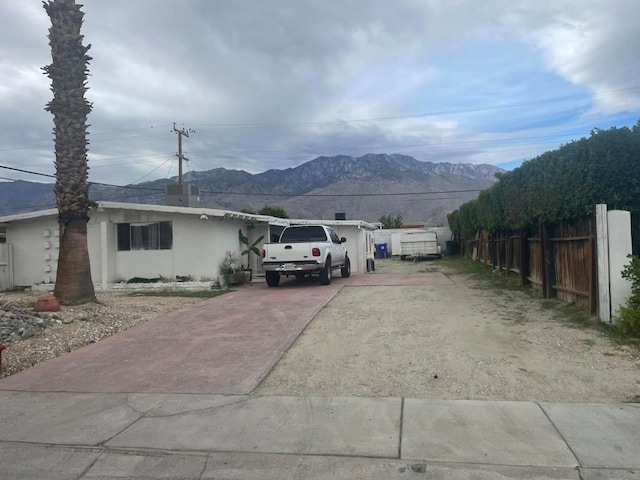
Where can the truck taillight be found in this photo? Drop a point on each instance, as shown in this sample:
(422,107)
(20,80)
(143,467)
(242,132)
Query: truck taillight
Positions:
(315,252)
(264,253)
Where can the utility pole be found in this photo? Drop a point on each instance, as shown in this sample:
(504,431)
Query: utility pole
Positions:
(181,157)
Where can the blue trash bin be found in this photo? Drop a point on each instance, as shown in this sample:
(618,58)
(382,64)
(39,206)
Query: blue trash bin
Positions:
(383,250)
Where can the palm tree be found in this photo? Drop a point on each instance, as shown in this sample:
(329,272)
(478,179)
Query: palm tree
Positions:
(68,72)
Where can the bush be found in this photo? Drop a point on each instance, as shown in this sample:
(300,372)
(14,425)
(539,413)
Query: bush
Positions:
(229,263)
(628,320)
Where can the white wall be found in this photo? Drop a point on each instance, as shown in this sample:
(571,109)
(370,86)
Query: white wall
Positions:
(613,240)
(356,245)
(35,250)
(198,246)
(619,226)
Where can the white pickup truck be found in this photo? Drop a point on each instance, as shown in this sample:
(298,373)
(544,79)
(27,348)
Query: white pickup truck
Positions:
(305,250)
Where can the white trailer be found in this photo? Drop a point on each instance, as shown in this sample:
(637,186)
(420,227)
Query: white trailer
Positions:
(420,244)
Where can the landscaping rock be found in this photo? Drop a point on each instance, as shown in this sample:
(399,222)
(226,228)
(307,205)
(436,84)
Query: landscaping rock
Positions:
(47,304)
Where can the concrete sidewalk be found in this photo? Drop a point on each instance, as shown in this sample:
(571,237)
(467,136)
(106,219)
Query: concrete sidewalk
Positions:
(167,400)
(145,436)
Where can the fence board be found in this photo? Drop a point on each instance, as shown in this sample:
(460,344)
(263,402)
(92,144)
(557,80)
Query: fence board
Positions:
(558,261)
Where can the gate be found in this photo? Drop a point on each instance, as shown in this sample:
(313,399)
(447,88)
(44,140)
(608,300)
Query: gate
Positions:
(6,267)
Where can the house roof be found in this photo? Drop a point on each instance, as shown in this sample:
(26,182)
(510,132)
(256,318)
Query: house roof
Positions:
(102,206)
(335,223)
(209,212)
(26,216)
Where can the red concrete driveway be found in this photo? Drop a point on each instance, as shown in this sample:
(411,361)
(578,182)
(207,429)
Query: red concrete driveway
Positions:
(223,345)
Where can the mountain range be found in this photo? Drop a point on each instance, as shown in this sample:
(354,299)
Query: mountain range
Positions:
(364,188)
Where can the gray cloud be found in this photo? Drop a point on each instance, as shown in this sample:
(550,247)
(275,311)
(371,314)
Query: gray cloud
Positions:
(266,84)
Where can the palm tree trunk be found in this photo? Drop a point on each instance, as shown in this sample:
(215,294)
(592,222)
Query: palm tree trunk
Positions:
(73,281)
(68,73)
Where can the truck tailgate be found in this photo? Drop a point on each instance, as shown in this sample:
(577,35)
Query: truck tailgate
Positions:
(287,252)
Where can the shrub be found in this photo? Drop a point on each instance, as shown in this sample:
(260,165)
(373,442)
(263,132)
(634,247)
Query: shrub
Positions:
(629,316)
(229,263)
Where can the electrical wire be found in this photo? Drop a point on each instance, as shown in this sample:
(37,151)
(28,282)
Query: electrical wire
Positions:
(145,176)
(414,115)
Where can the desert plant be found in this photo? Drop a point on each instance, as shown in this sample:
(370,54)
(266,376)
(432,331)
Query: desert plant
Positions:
(250,248)
(229,263)
(628,320)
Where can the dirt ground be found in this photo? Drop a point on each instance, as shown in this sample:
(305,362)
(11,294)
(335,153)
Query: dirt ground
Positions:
(460,341)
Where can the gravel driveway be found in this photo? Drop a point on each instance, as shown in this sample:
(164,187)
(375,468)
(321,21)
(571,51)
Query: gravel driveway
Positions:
(455,341)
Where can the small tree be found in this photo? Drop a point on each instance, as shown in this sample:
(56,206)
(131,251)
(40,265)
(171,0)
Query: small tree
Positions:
(273,211)
(389,221)
(249,248)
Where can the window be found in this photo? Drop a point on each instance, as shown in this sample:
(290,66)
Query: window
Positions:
(151,236)
(303,234)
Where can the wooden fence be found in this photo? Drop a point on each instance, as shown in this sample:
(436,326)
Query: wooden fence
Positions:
(557,260)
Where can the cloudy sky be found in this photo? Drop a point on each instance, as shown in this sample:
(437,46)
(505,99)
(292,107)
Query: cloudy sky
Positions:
(272,84)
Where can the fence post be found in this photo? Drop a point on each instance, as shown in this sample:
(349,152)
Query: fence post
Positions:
(549,263)
(508,253)
(524,258)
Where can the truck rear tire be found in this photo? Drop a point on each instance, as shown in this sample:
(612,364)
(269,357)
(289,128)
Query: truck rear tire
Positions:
(345,271)
(273,278)
(325,274)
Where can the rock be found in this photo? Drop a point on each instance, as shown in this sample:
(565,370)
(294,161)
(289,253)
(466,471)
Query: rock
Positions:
(47,304)
(67,321)
(27,333)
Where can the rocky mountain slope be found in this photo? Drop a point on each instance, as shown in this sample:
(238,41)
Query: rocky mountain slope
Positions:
(364,188)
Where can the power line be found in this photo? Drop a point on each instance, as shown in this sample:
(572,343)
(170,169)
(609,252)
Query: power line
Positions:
(27,206)
(92,136)
(417,115)
(96,135)
(27,171)
(146,175)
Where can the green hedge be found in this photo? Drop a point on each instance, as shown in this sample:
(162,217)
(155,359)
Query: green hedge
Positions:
(560,185)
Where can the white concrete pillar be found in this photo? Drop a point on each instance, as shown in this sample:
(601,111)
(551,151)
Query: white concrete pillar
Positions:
(619,226)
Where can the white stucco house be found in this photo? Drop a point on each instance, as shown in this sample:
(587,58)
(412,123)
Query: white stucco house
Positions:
(138,240)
